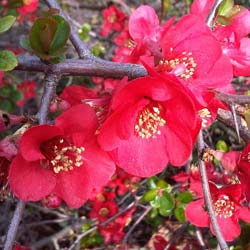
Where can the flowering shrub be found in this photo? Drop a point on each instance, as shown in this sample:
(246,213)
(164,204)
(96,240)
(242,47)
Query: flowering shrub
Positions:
(126,146)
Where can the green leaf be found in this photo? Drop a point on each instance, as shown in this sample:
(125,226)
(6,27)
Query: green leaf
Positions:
(6,23)
(152,182)
(84,32)
(179,213)
(150,195)
(184,197)
(25,43)
(166,202)
(16,95)
(61,35)
(41,35)
(161,184)
(7,105)
(222,146)
(225,7)
(156,202)
(8,60)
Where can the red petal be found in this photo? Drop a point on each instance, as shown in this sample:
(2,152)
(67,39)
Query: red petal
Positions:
(76,186)
(142,157)
(196,213)
(179,142)
(229,227)
(78,119)
(31,140)
(29,181)
(244,213)
(144,23)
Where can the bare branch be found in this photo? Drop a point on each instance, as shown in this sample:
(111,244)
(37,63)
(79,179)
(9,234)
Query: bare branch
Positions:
(232,99)
(50,82)
(12,230)
(97,67)
(211,15)
(207,195)
(227,118)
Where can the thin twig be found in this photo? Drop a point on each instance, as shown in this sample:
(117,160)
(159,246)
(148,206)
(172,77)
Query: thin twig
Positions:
(207,195)
(132,228)
(12,230)
(200,239)
(50,82)
(236,125)
(232,98)
(92,229)
(227,118)
(211,15)
(177,233)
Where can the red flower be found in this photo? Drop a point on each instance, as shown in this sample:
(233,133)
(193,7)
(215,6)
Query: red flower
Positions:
(28,7)
(233,35)
(243,170)
(28,91)
(184,55)
(152,122)
(63,159)
(75,94)
(113,20)
(228,210)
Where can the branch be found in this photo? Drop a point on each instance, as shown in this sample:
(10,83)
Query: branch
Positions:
(12,230)
(227,118)
(92,229)
(176,234)
(50,82)
(77,67)
(132,228)
(211,15)
(232,99)
(207,195)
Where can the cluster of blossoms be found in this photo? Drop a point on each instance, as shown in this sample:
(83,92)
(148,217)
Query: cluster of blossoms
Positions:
(142,125)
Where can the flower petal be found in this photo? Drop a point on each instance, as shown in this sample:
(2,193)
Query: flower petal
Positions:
(29,181)
(31,140)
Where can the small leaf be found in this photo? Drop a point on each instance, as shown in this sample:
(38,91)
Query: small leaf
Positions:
(184,197)
(179,213)
(41,35)
(7,105)
(225,7)
(150,195)
(8,60)
(166,202)
(156,202)
(6,23)
(61,35)
(25,43)
(161,184)
(222,146)
(152,182)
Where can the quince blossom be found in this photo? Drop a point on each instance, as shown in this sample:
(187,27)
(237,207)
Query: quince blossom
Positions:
(152,121)
(63,159)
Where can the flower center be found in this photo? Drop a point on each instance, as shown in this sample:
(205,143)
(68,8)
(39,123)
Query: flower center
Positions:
(224,207)
(104,212)
(204,115)
(182,66)
(149,120)
(61,155)
(112,18)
